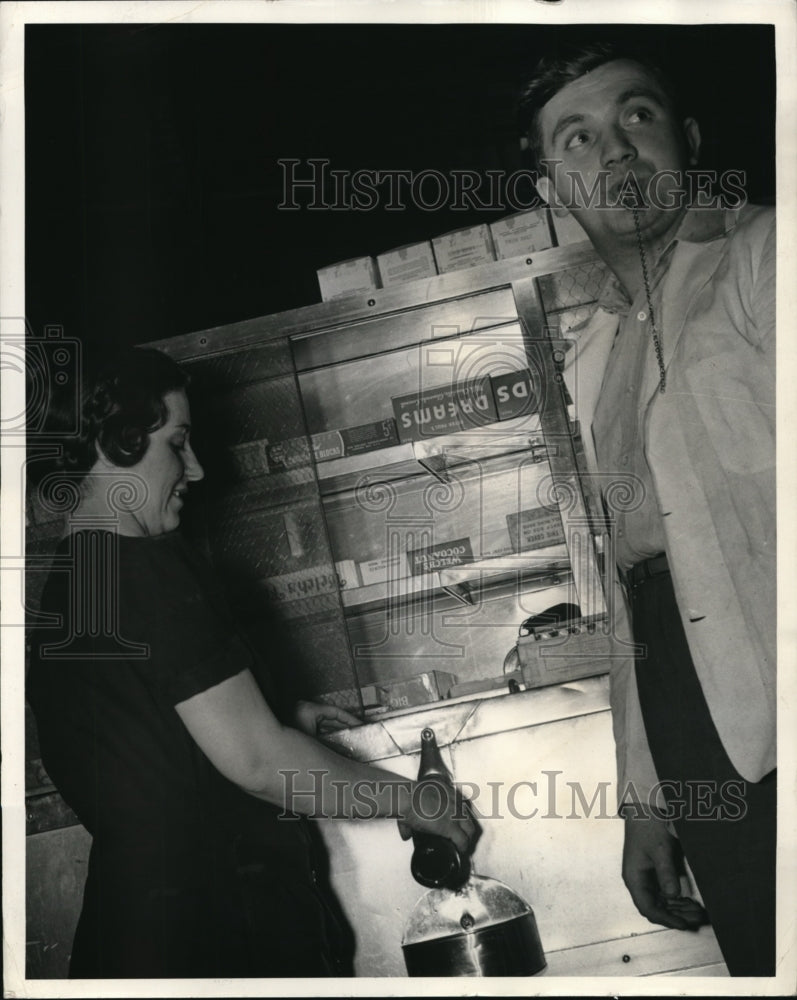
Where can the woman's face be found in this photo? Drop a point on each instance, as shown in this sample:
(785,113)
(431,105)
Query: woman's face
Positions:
(167,468)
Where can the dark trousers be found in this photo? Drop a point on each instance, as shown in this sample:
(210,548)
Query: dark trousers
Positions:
(726,826)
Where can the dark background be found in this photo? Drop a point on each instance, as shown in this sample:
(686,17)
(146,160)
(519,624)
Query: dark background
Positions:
(152,181)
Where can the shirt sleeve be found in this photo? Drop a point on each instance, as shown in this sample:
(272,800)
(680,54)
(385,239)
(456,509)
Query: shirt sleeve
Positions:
(166,603)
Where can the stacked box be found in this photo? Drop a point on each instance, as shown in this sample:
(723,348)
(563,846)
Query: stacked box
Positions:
(463,248)
(535,528)
(522,233)
(409,263)
(383,569)
(441,555)
(445,410)
(328,445)
(312,582)
(514,394)
(348,277)
(250,459)
(419,690)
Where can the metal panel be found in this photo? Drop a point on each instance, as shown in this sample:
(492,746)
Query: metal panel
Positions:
(356,308)
(412,326)
(565,484)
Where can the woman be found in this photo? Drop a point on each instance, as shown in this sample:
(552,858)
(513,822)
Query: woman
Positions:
(154,730)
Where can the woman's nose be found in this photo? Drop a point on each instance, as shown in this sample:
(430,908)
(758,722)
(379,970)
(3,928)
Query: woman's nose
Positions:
(193,470)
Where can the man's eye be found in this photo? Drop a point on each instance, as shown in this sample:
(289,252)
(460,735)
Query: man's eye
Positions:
(640,115)
(576,139)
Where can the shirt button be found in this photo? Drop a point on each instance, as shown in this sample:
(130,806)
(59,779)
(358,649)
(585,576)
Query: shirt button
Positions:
(624,460)
(642,316)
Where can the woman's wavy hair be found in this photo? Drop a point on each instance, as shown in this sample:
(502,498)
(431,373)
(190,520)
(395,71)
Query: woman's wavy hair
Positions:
(121,405)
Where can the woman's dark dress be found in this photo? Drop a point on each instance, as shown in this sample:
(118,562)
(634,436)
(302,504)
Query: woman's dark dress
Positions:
(188,876)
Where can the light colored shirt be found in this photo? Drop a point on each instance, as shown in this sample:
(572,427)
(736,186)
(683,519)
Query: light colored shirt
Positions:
(709,441)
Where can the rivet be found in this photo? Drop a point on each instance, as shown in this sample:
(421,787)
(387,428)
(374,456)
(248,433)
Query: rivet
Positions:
(626,958)
(372,302)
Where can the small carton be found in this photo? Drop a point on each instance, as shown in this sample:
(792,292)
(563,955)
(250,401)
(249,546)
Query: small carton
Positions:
(514,394)
(348,277)
(409,263)
(312,582)
(463,248)
(521,233)
(327,445)
(383,569)
(250,459)
(445,410)
(441,555)
(419,690)
(535,528)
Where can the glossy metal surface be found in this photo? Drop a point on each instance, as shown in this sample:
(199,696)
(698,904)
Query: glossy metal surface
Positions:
(483,929)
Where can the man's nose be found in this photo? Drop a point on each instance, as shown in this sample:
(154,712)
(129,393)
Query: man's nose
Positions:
(617,147)
(193,470)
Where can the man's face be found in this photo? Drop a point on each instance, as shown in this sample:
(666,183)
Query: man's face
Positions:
(605,125)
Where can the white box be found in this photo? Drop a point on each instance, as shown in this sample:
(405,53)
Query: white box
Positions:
(567,230)
(348,277)
(521,233)
(409,263)
(381,570)
(463,248)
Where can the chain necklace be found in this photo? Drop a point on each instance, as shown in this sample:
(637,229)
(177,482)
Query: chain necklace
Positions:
(644,261)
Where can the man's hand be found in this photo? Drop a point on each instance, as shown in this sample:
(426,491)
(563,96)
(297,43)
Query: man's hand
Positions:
(652,865)
(318,719)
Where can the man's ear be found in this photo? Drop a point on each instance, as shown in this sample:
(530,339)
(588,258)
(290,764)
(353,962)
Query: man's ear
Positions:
(692,136)
(547,191)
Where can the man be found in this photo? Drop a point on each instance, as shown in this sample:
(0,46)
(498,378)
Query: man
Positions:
(675,373)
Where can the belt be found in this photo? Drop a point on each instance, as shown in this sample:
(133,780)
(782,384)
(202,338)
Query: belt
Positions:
(646,570)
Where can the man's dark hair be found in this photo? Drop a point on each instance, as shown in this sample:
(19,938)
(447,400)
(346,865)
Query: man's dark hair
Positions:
(566,64)
(121,406)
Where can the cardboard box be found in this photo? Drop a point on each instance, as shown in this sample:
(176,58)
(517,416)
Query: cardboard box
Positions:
(441,555)
(327,445)
(348,277)
(250,459)
(535,528)
(418,690)
(312,582)
(445,410)
(581,651)
(522,233)
(409,263)
(381,570)
(463,248)
(514,394)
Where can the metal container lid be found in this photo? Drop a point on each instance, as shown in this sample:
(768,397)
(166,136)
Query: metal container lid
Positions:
(480,903)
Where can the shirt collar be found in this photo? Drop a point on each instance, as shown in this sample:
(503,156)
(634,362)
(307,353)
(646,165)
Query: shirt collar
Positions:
(700,224)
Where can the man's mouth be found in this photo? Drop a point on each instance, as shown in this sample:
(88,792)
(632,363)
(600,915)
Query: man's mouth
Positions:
(628,193)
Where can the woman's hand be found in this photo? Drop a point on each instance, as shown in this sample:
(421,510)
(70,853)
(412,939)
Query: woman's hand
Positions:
(315,719)
(437,808)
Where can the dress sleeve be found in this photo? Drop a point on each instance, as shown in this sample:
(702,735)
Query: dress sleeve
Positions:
(171,605)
